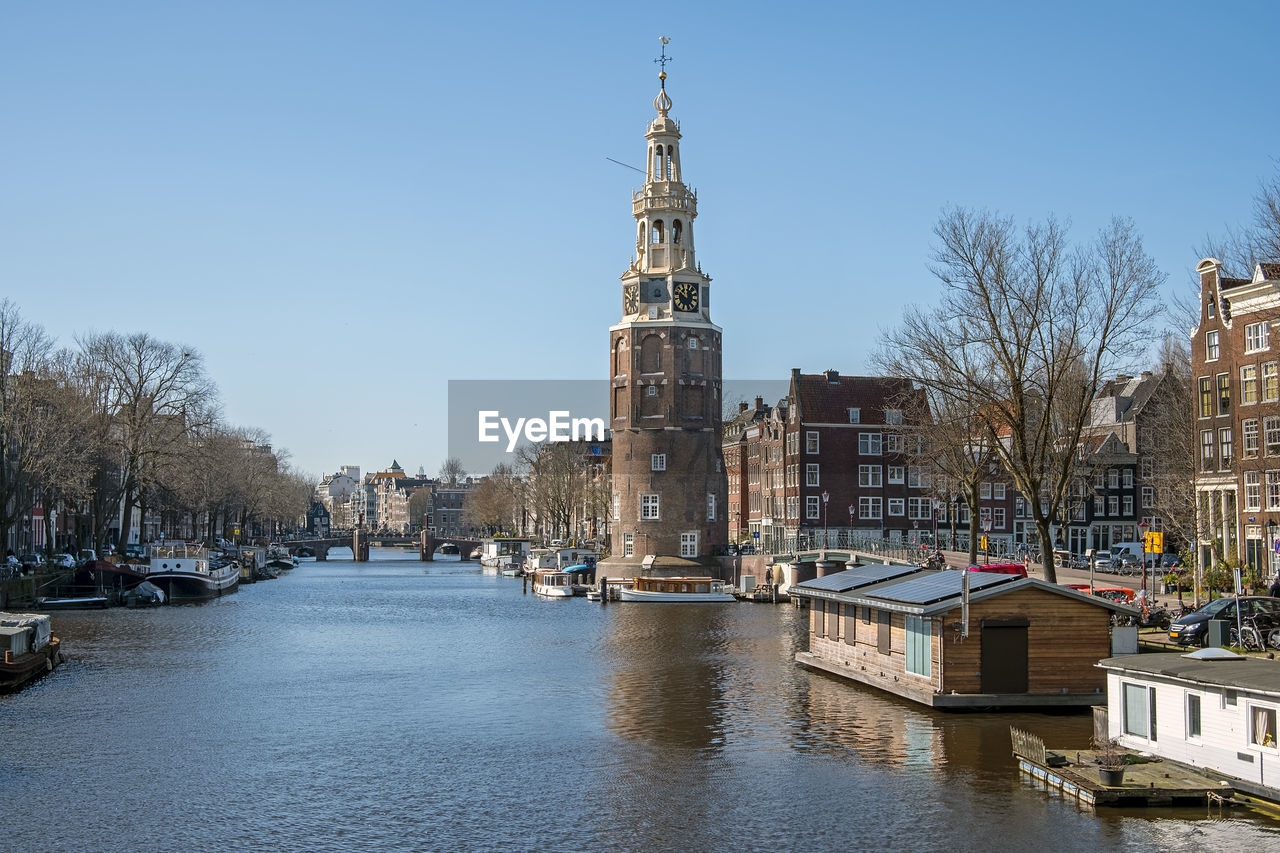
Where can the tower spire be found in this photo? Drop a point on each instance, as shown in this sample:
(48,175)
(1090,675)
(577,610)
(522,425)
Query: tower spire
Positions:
(662,102)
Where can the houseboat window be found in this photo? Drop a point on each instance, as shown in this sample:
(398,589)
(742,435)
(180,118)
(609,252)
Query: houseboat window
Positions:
(884,637)
(919,646)
(866,615)
(1193,715)
(819,618)
(1262,726)
(702,587)
(850,619)
(1135,709)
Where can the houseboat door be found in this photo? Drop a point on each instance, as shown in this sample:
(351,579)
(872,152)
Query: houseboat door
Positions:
(1004,656)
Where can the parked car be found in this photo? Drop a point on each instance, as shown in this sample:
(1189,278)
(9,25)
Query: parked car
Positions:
(1193,629)
(30,561)
(1170,561)
(63,561)
(1002,569)
(1102,560)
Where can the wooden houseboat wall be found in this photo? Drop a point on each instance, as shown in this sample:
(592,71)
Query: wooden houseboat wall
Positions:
(1028,645)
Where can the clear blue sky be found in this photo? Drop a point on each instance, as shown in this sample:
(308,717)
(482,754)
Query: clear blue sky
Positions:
(343,205)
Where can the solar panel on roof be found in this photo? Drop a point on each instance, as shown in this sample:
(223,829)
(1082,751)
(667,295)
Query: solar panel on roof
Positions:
(935,587)
(857,576)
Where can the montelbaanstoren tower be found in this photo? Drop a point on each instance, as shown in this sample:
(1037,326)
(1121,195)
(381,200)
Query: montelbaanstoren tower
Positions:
(669,486)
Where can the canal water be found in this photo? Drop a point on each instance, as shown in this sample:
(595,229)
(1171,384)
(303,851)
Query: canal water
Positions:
(398,705)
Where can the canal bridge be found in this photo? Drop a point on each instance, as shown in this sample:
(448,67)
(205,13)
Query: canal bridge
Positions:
(360,540)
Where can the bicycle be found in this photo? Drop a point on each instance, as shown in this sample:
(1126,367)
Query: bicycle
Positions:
(1248,636)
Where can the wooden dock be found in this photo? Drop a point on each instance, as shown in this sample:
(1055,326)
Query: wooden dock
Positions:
(1149,782)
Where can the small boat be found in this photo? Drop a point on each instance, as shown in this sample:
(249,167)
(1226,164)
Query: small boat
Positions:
(449,549)
(29,647)
(80,602)
(553,583)
(143,595)
(304,555)
(476,553)
(185,573)
(675,590)
(280,558)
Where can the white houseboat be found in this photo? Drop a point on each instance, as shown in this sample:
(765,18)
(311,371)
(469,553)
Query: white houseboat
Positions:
(185,573)
(1212,709)
(504,552)
(675,590)
(553,583)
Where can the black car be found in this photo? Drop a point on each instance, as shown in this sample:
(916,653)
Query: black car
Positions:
(1193,628)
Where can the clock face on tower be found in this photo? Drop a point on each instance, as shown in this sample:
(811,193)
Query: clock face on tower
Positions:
(685,296)
(630,298)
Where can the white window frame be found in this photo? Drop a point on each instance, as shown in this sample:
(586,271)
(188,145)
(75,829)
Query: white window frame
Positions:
(997,491)
(897,474)
(711,506)
(855,416)
(689,543)
(1257,336)
(870,444)
(897,506)
(628,544)
(811,506)
(657,462)
(1212,350)
(812,475)
(870,508)
(811,442)
(651,507)
(870,476)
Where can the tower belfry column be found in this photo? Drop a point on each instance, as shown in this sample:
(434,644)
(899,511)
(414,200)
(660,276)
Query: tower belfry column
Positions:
(669,484)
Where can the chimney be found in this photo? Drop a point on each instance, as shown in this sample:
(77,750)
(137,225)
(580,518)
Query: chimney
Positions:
(742,407)
(1121,378)
(759,403)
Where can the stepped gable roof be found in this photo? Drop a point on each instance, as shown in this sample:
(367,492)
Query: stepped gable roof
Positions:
(827,397)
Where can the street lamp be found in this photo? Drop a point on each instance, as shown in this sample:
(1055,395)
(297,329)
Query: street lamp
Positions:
(850,525)
(826,496)
(955,510)
(936,505)
(1142,537)
(1271,546)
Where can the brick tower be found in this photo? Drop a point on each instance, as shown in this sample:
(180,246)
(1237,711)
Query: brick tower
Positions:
(669,483)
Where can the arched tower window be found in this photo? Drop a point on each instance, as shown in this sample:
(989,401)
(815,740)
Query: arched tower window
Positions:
(657,163)
(676,230)
(640,233)
(620,357)
(658,235)
(651,354)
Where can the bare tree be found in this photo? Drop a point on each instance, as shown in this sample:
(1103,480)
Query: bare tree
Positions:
(27,432)
(153,394)
(1241,248)
(1025,330)
(451,470)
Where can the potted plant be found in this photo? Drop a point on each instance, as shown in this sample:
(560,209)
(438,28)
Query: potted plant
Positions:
(1111,760)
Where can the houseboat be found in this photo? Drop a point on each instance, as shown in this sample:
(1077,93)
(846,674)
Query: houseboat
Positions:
(553,583)
(1213,709)
(674,590)
(185,573)
(29,649)
(504,552)
(279,558)
(1005,642)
